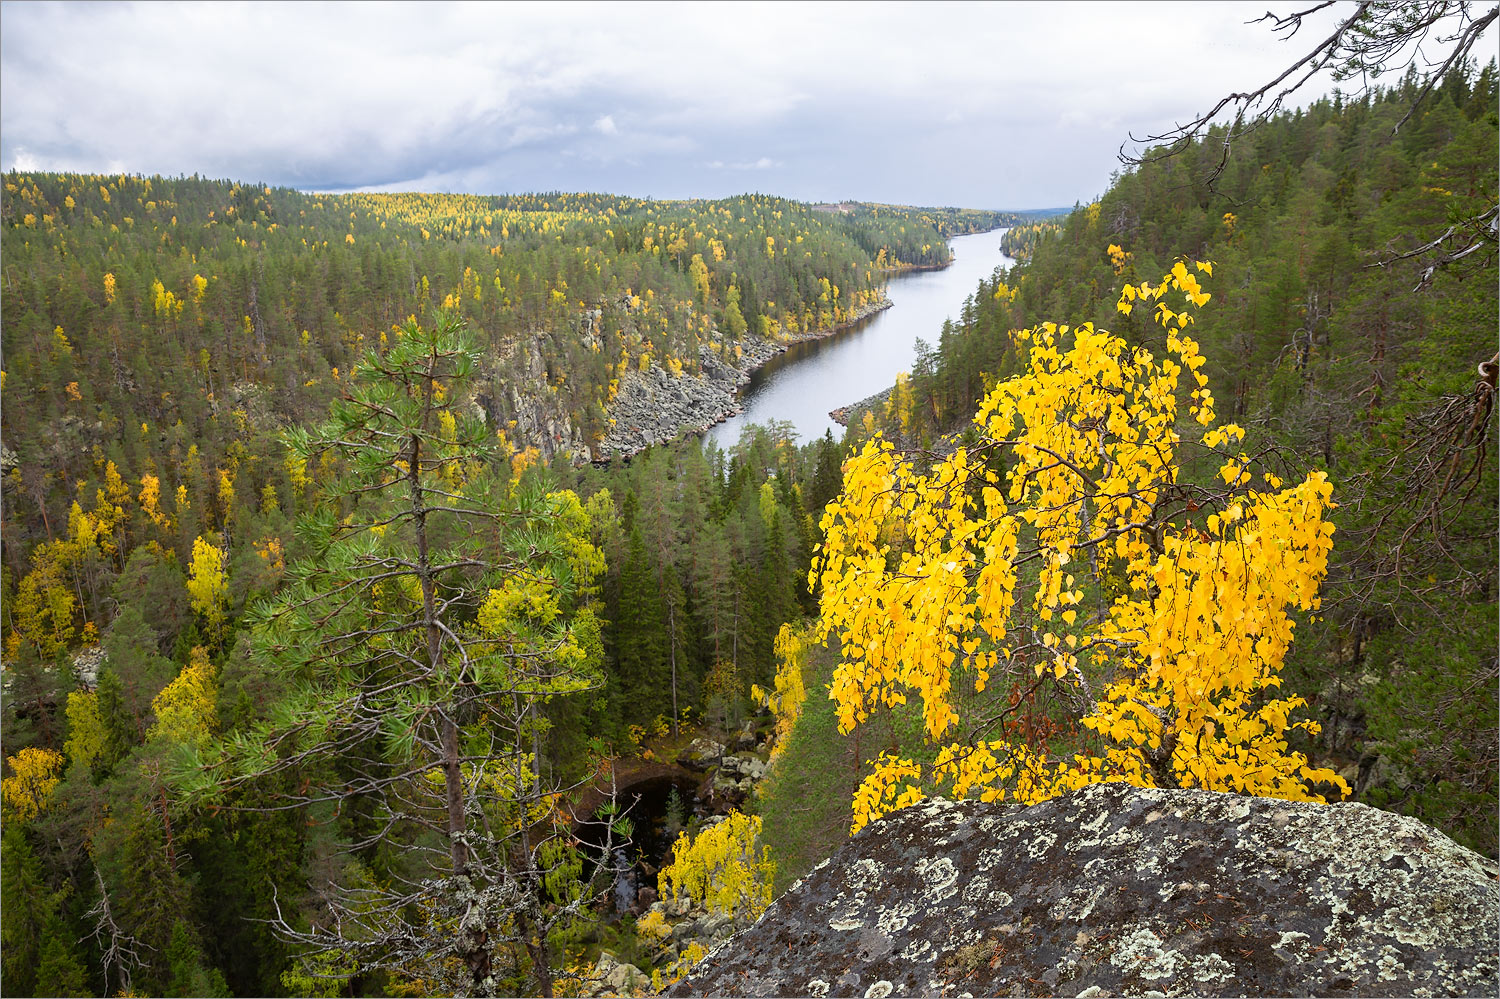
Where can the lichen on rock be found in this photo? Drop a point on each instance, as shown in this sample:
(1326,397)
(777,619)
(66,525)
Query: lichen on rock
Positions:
(1117,890)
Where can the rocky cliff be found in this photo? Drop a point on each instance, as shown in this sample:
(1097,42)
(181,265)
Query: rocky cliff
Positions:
(520,391)
(1115,890)
(653,407)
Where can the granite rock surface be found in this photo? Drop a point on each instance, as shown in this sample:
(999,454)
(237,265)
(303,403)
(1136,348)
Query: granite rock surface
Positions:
(1115,890)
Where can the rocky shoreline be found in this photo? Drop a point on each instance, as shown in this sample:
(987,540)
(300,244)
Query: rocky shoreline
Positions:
(655,407)
(856,410)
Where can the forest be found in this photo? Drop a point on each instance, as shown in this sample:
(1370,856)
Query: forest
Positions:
(315,649)
(168,344)
(1341,342)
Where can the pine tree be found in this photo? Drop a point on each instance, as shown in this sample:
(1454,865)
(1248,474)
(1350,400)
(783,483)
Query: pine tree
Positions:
(419,638)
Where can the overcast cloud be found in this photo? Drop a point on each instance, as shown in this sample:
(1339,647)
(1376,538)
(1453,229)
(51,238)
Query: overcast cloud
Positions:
(997,106)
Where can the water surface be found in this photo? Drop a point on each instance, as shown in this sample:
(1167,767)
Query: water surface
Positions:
(802,384)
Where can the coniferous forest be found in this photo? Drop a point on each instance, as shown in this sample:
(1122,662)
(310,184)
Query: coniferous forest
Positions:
(1337,346)
(326,616)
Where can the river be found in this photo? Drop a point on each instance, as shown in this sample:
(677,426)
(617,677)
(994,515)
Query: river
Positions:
(803,383)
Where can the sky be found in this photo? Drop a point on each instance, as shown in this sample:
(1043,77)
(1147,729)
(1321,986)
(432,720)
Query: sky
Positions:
(1006,106)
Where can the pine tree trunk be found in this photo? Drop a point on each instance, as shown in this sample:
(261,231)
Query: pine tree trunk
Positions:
(452,772)
(672,642)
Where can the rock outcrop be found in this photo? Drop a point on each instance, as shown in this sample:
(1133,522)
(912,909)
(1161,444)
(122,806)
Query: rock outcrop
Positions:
(654,406)
(521,392)
(516,393)
(1114,890)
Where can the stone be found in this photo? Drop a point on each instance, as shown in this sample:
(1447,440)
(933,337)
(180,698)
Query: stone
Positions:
(725,793)
(701,754)
(711,925)
(624,979)
(1117,890)
(86,665)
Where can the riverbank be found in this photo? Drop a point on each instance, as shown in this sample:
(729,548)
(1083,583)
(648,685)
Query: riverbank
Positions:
(855,411)
(655,407)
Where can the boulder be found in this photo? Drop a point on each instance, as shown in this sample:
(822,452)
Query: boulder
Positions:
(725,793)
(746,738)
(714,925)
(743,765)
(86,666)
(752,767)
(701,754)
(624,979)
(1116,890)
(611,978)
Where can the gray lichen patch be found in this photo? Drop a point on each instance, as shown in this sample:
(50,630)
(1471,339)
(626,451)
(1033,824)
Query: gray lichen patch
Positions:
(1115,890)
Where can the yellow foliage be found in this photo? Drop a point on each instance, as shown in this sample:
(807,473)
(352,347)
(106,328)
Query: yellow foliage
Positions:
(721,869)
(790,693)
(653,926)
(35,774)
(85,728)
(150,500)
(296,470)
(226,491)
(187,708)
(44,606)
(884,791)
(675,971)
(921,579)
(270,551)
(207,582)
(532,596)
(901,404)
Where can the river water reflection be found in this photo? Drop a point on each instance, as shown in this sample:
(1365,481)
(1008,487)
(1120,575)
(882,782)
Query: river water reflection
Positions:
(802,384)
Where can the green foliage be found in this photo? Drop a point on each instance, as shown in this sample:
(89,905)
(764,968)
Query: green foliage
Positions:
(1338,340)
(705,567)
(417,644)
(61,971)
(29,907)
(187,974)
(804,799)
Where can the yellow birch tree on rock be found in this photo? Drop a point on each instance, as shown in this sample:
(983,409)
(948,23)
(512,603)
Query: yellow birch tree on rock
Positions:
(1099,614)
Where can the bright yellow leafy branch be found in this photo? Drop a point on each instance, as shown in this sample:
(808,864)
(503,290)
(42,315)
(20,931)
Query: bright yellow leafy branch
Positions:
(1074,484)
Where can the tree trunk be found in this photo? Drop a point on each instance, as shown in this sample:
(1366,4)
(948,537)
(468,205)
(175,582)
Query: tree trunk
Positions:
(452,772)
(672,643)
